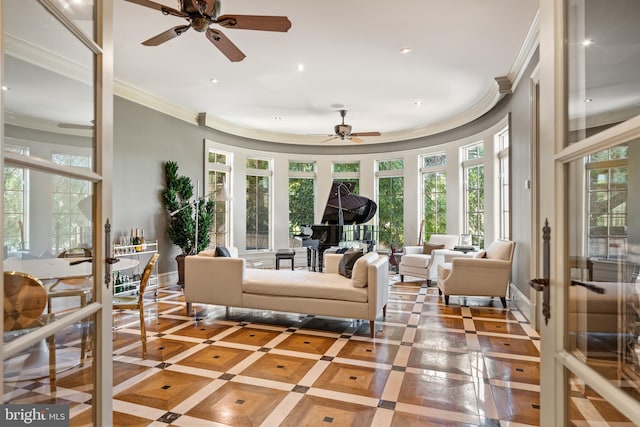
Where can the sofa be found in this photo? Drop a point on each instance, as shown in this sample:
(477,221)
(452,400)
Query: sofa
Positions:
(227,281)
(486,274)
(416,263)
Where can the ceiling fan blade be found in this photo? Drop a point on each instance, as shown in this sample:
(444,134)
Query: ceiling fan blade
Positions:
(162,8)
(225,45)
(329,139)
(165,36)
(356,139)
(255,22)
(366,134)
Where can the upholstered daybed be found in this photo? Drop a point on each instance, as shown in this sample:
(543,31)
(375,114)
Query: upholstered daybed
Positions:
(226,281)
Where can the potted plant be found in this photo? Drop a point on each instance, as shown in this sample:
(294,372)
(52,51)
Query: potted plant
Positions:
(182,220)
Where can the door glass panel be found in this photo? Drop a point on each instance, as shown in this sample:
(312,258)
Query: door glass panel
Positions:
(586,407)
(48,242)
(62,362)
(47,83)
(603,60)
(81,12)
(604,247)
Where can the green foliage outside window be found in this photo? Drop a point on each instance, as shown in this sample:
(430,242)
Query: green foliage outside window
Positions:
(216,183)
(346,167)
(219,158)
(474,177)
(391,212)
(14,204)
(67,220)
(388,165)
(257,164)
(607,202)
(301,203)
(257,197)
(302,166)
(434,160)
(435,203)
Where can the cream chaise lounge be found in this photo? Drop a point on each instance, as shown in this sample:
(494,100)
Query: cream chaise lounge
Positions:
(226,281)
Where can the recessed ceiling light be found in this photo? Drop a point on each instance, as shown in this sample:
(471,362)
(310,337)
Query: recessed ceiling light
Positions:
(213,80)
(278,118)
(300,67)
(417,103)
(587,42)
(5,87)
(405,50)
(588,100)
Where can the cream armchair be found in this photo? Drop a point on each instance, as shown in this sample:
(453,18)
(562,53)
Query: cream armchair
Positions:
(416,263)
(487,274)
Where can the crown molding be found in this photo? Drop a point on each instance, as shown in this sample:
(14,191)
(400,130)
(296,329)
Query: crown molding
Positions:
(43,125)
(33,54)
(131,93)
(485,104)
(529,46)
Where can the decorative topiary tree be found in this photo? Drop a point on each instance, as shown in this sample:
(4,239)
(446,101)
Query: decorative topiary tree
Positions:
(182,225)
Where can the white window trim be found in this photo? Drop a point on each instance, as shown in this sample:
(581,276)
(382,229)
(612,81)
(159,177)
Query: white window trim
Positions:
(263,173)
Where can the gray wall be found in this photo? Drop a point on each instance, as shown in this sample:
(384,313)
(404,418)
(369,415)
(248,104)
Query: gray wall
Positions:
(144,139)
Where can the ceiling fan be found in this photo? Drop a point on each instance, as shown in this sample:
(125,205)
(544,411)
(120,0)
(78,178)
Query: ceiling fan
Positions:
(201,14)
(343,131)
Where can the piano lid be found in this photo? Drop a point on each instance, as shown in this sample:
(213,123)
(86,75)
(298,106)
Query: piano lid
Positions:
(355,209)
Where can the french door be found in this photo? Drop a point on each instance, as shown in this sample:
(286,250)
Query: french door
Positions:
(56,148)
(590,159)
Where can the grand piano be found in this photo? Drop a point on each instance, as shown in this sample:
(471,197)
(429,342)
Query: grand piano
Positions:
(343,221)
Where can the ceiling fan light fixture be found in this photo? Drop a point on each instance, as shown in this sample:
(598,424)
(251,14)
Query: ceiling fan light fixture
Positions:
(200,23)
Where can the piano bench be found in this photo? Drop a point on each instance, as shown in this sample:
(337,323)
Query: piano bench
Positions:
(285,254)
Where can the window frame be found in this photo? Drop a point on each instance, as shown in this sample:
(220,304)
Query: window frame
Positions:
(440,170)
(476,162)
(503,182)
(261,173)
(302,175)
(390,174)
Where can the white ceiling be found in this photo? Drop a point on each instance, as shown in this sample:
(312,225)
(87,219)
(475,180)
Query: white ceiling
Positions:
(351,53)
(350,49)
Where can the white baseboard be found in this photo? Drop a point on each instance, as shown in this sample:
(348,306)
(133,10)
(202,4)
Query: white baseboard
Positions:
(167,279)
(523,304)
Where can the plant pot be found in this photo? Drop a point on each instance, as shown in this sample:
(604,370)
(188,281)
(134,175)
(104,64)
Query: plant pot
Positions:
(180,261)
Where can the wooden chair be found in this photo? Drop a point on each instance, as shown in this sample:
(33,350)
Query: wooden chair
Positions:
(136,302)
(25,299)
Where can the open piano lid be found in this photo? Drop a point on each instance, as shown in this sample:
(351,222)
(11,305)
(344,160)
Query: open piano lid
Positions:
(355,209)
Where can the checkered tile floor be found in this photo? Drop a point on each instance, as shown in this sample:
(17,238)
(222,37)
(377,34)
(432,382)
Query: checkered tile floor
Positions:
(470,363)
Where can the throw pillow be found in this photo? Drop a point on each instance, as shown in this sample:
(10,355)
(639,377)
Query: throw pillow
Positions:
(428,247)
(361,270)
(222,251)
(345,268)
(207,252)
(480,254)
